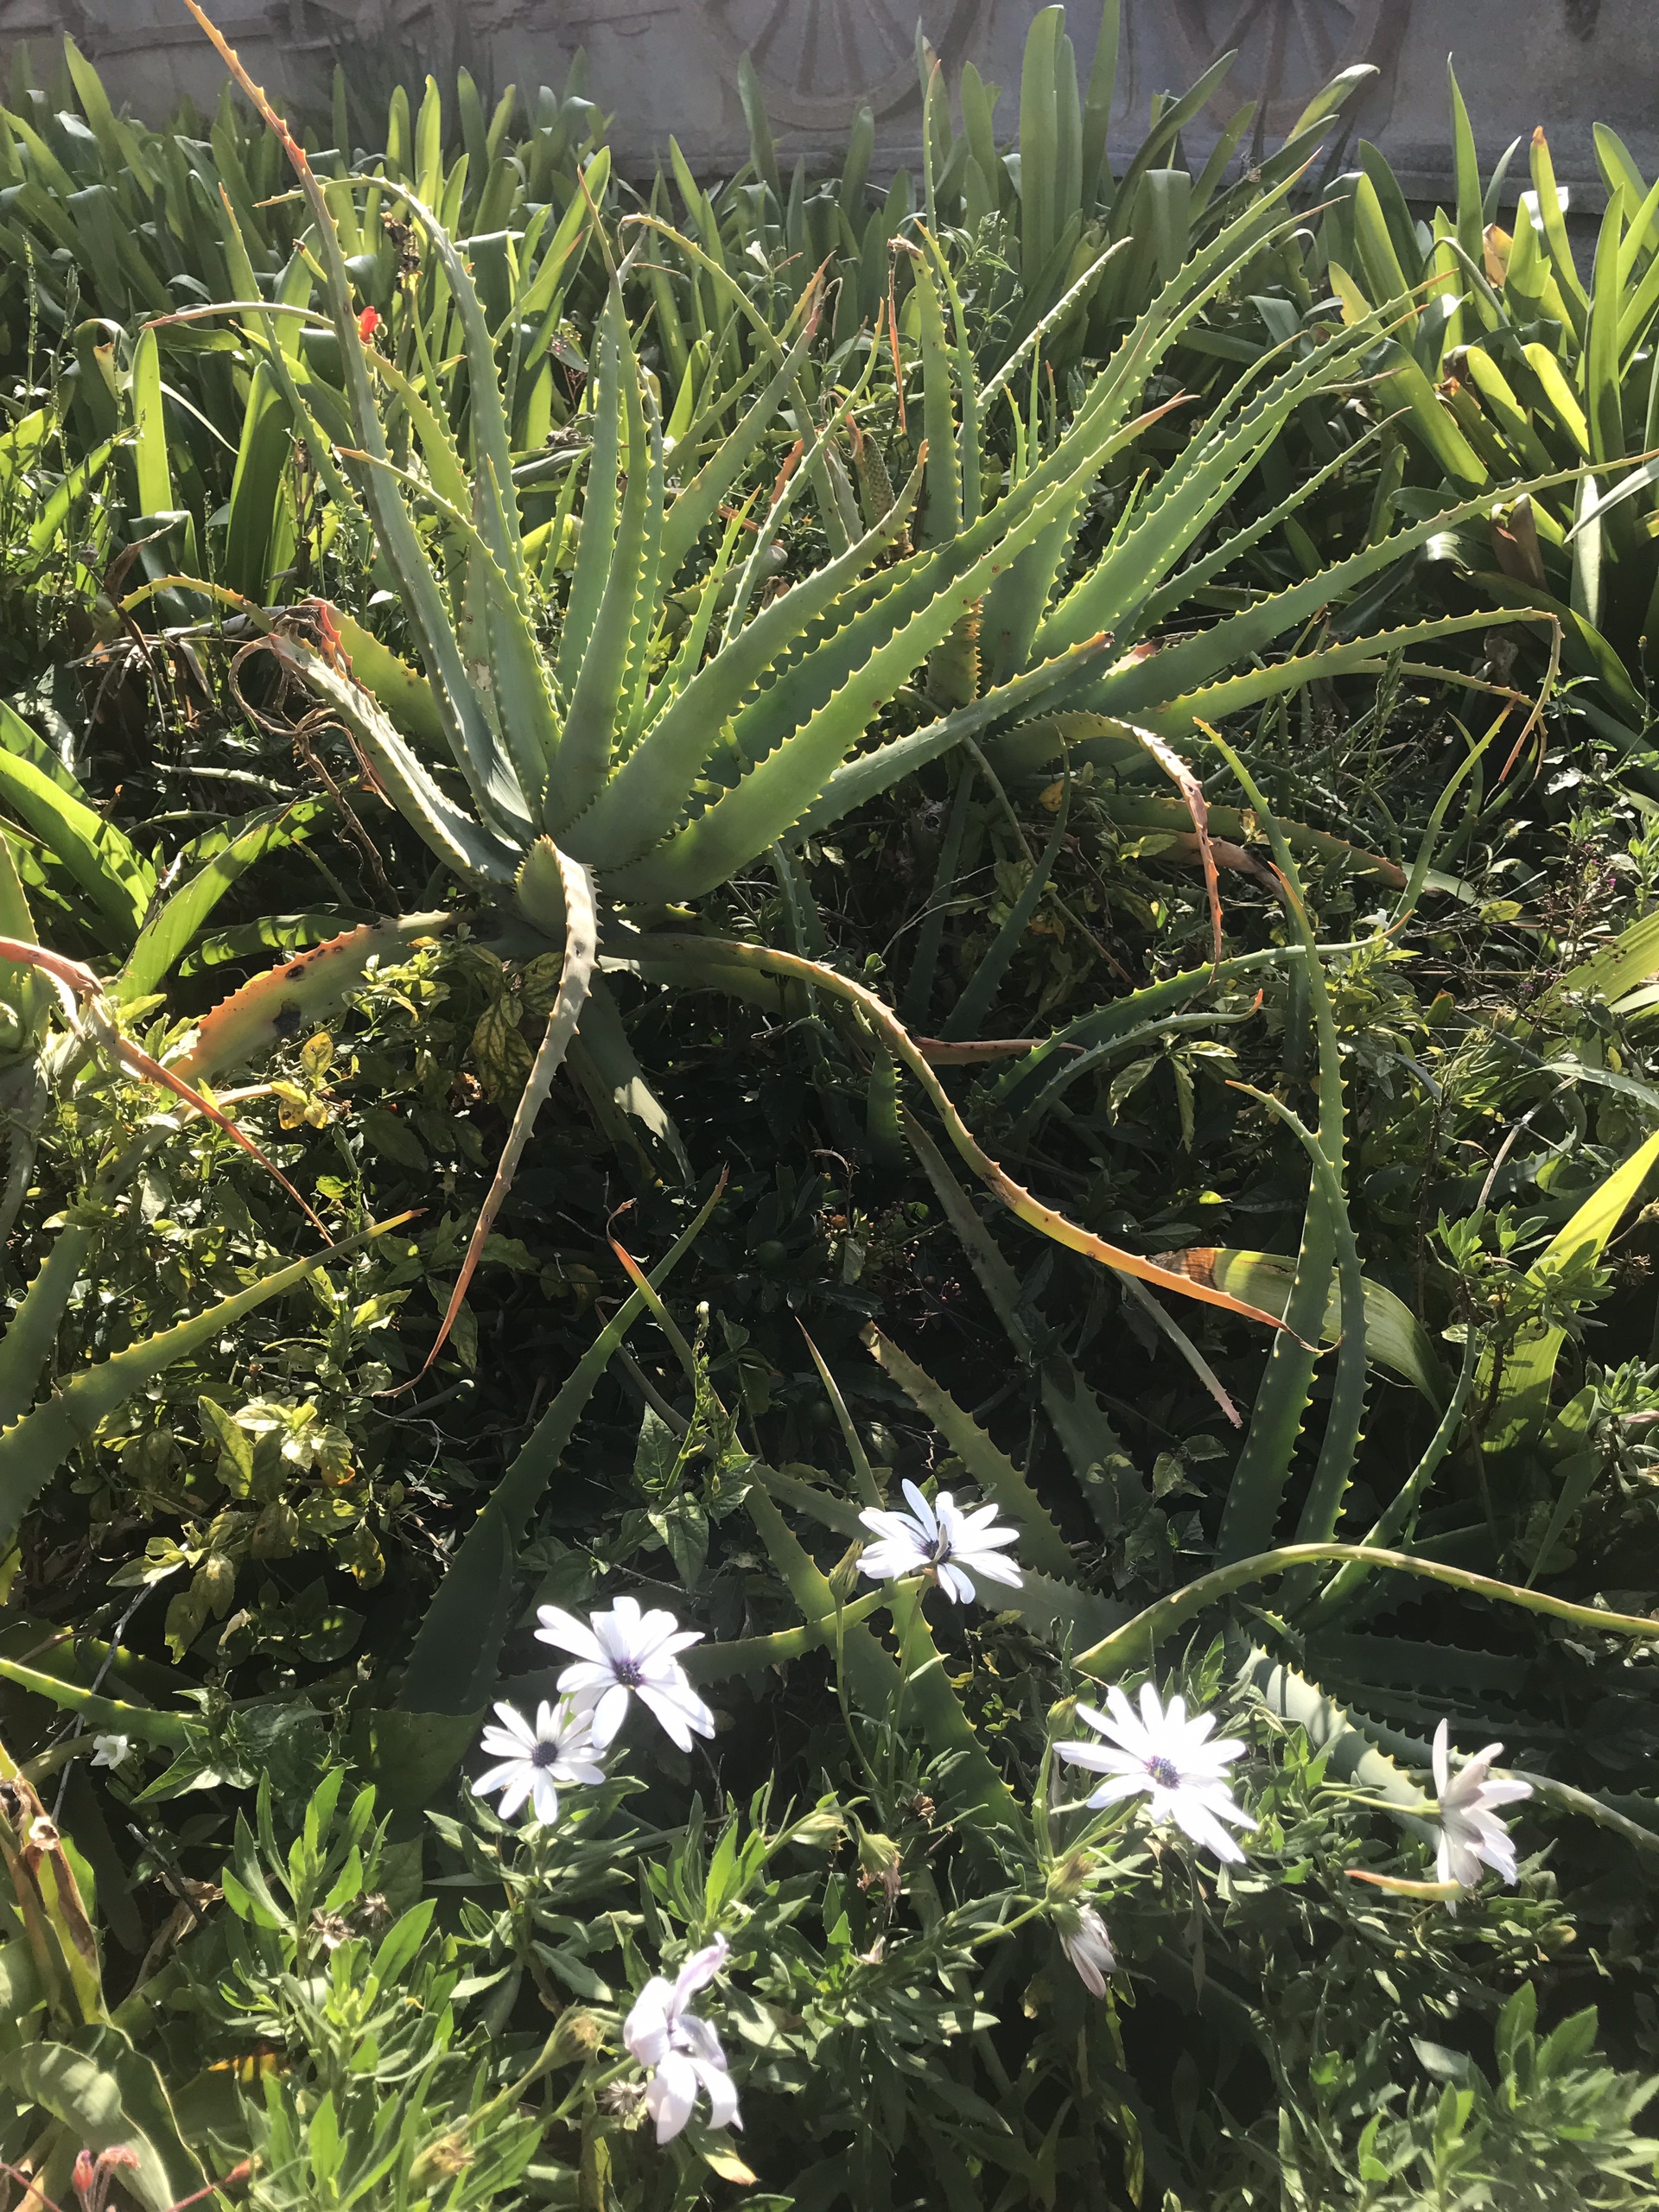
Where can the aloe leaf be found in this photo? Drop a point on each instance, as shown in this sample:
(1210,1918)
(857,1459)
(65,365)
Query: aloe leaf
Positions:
(624,610)
(989,1467)
(1132,1645)
(423,595)
(268,1010)
(775,793)
(457,1647)
(1264,1465)
(754,1654)
(405,693)
(1340,1443)
(575,975)
(647,794)
(163,940)
(941,515)
(1395,1524)
(879,769)
(695,507)
(967,1772)
(604,1063)
(1186,664)
(461,843)
(1197,485)
(1350,1754)
(33,1448)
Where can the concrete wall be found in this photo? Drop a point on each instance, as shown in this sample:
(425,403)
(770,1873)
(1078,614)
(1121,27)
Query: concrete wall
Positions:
(662,66)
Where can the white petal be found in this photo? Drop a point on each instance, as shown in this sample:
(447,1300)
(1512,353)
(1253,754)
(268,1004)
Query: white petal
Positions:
(1442,1761)
(546,1797)
(1120,1787)
(520,1783)
(646,2030)
(670,2093)
(496,1777)
(955,1584)
(888,1562)
(567,1632)
(700,1970)
(514,1723)
(587,1675)
(926,1518)
(996,1568)
(1200,1823)
(656,1628)
(682,1712)
(722,2097)
(1151,1712)
(1101,1758)
(890,1524)
(1504,1791)
(609,1714)
(1122,1725)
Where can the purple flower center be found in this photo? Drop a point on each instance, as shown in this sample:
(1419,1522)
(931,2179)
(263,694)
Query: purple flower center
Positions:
(628,1672)
(938,1551)
(544,1755)
(1165,1773)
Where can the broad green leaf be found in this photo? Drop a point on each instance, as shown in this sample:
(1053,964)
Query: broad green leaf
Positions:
(1523,1388)
(98,855)
(164,941)
(1395,1338)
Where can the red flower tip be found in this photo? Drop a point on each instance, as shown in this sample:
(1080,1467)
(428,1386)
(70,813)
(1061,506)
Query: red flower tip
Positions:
(367,323)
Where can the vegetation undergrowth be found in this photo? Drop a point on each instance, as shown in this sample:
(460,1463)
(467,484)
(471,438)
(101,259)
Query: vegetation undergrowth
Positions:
(826,1036)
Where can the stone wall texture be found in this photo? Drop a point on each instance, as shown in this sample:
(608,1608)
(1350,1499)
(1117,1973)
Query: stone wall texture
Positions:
(662,66)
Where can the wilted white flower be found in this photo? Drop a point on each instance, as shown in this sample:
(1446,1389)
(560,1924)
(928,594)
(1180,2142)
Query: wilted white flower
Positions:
(940,1540)
(1470,1831)
(623,1654)
(111,1750)
(559,1748)
(1169,1758)
(1085,1942)
(679,2051)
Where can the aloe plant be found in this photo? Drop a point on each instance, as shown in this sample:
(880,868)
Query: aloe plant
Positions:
(626,765)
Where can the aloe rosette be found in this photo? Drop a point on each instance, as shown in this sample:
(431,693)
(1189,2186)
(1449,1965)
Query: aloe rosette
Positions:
(601,758)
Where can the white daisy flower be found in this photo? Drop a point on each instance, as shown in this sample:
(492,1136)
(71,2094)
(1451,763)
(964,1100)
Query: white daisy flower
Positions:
(625,1654)
(680,2052)
(1471,1834)
(1168,1758)
(111,1750)
(1085,1942)
(940,1540)
(559,1748)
